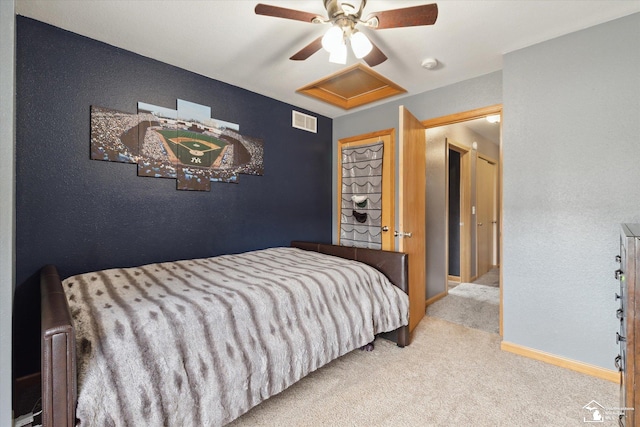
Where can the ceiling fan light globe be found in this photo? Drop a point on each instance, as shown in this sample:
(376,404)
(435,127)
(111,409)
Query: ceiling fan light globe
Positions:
(360,45)
(333,39)
(339,55)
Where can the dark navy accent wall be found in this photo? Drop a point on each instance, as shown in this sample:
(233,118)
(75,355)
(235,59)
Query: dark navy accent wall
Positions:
(83,215)
(454,213)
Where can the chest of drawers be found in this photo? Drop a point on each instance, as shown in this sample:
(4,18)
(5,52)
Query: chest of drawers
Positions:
(628,361)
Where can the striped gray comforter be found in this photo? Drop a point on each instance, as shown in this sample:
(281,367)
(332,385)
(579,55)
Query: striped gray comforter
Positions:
(200,342)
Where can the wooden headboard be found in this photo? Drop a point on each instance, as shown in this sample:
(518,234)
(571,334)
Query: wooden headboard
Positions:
(58,360)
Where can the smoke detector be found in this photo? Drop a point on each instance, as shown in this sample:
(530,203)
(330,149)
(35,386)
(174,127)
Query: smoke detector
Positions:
(430,63)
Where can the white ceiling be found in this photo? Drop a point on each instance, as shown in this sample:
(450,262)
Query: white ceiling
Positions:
(226,41)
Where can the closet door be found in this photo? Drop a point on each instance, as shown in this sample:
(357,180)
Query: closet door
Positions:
(486,216)
(366,190)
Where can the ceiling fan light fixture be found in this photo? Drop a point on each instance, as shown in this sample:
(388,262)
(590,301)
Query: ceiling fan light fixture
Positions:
(333,39)
(344,16)
(339,54)
(360,44)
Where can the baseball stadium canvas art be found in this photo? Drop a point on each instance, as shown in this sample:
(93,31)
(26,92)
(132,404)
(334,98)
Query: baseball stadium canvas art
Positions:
(185,144)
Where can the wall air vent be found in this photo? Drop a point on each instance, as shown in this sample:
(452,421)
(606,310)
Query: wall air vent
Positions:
(304,121)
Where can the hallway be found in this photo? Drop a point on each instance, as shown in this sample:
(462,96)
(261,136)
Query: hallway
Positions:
(474,305)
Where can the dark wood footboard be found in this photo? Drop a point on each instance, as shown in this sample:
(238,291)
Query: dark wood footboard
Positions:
(394,265)
(59,379)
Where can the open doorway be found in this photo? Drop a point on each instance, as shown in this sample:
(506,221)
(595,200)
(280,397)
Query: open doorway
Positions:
(455,218)
(473,207)
(458,211)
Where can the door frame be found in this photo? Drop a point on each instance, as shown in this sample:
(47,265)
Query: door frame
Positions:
(463,117)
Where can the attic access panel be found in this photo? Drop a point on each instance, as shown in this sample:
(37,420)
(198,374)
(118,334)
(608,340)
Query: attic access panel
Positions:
(352,87)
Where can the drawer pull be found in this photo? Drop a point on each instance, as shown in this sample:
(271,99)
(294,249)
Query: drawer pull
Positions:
(617,274)
(620,313)
(620,338)
(618,258)
(617,296)
(617,361)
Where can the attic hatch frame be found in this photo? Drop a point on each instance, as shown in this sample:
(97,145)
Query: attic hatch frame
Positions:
(352,87)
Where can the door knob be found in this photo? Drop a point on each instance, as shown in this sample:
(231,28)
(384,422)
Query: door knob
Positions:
(479,224)
(401,234)
(385,228)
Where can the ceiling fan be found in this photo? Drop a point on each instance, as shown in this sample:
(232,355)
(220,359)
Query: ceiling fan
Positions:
(344,16)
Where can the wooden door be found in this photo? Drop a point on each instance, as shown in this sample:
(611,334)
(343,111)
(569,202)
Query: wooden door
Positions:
(411,209)
(386,224)
(486,214)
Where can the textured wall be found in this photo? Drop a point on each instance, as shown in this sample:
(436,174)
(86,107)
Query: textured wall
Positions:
(7,62)
(571,129)
(467,95)
(84,215)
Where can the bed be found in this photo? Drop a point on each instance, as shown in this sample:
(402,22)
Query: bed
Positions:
(193,328)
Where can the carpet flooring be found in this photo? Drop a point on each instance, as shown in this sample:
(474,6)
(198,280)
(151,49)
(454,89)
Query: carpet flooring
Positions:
(490,278)
(450,375)
(471,305)
(474,305)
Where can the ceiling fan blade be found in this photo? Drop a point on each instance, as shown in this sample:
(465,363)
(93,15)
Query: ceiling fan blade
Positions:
(308,50)
(375,57)
(282,12)
(406,17)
